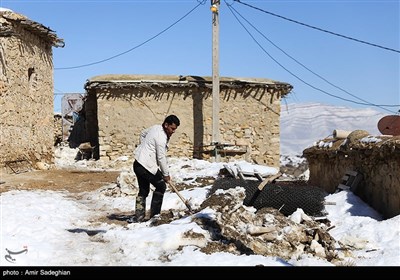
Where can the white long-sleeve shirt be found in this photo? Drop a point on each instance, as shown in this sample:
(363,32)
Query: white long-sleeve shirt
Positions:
(152,150)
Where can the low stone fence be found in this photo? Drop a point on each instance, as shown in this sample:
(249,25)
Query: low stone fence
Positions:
(376,158)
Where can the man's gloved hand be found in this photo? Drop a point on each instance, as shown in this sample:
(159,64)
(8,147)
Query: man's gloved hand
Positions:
(167,179)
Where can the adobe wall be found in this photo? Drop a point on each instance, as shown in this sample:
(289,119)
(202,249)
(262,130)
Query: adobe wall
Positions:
(26,99)
(378,161)
(249,119)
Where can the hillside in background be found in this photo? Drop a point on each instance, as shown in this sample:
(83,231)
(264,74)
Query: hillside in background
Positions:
(302,124)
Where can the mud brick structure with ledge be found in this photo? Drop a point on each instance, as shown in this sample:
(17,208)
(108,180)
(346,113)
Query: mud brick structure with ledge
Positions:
(119,107)
(376,158)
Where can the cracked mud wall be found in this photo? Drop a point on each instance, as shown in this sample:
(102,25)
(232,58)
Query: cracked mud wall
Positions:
(26,91)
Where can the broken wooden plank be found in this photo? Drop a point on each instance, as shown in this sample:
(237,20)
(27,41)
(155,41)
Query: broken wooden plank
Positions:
(262,185)
(18,166)
(259,177)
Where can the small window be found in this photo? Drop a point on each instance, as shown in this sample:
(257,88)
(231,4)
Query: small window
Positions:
(32,78)
(31,70)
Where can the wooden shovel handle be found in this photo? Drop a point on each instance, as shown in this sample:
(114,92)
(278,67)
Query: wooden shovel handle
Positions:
(180,196)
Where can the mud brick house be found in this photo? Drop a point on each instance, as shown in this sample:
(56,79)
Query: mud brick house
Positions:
(118,107)
(26,91)
(373,160)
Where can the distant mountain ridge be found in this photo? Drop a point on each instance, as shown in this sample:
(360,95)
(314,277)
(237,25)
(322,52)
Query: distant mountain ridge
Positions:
(302,124)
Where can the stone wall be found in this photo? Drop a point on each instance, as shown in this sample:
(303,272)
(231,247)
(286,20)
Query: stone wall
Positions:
(249,120)
(377,158)
(26,98)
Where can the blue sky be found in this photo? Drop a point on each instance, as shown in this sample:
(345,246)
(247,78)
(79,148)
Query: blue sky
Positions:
(157,38)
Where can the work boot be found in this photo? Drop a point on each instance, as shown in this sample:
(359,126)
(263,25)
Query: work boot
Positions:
(156,202)
(140,208)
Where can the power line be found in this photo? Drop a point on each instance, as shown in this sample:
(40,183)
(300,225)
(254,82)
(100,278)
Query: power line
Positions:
(202,2)
(320,29)
(135,47)
(368,103)
(294,75)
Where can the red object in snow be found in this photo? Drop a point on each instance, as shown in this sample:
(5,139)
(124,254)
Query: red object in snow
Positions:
(389,125)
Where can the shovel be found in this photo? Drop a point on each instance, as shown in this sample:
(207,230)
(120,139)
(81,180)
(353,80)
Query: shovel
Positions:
(180,196)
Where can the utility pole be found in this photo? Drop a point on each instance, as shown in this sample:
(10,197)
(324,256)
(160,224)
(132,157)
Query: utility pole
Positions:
(215,76)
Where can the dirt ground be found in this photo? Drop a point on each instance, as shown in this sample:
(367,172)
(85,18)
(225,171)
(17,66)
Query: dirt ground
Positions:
(73,181)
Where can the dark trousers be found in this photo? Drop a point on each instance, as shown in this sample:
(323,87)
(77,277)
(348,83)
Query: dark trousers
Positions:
(145,178)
